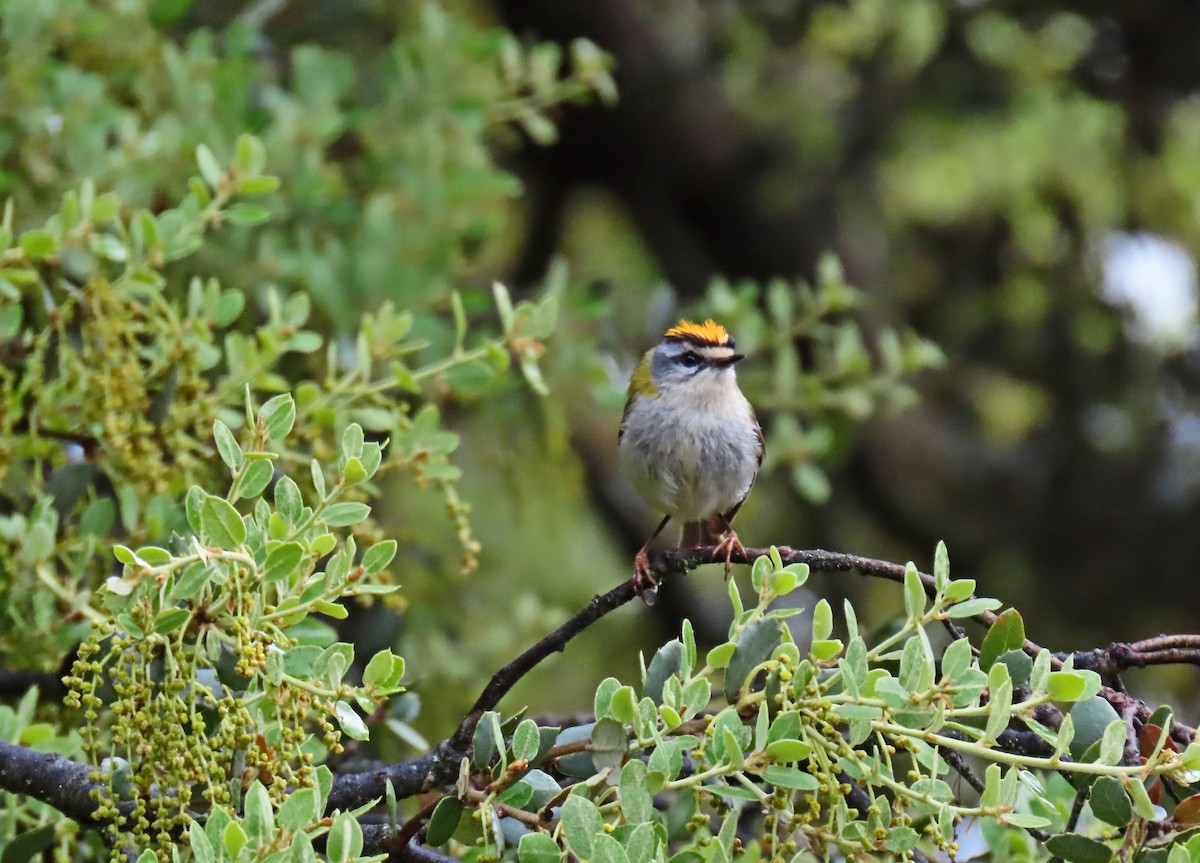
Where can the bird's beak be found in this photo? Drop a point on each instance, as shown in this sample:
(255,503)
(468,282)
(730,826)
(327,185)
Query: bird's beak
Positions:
(729,360)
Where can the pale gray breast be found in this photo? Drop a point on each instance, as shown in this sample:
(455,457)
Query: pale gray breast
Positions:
(687,462)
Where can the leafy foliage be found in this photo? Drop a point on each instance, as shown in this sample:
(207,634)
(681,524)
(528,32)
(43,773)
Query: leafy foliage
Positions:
(770,745)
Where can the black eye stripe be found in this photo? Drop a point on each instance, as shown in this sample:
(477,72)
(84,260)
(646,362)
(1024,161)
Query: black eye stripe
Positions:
(691,360)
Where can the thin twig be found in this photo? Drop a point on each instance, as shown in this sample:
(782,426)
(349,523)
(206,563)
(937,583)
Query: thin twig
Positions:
(450,752)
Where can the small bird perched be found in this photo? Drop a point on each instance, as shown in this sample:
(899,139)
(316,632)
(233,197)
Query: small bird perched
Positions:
(689,440)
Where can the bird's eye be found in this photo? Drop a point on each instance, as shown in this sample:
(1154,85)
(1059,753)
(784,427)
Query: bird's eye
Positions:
(691,359)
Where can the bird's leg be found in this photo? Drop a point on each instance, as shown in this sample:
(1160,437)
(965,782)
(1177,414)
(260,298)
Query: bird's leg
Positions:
(729,540)
(643,575)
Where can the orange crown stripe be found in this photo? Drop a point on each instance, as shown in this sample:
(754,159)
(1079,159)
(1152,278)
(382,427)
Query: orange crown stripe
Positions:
(709,331)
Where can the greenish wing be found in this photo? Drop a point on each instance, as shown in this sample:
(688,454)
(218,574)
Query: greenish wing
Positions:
(625,415)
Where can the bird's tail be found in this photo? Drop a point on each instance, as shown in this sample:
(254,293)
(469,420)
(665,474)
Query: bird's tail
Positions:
(707,531)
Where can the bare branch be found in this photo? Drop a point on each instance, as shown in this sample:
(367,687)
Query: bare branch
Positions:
(1159,650)
(354,789)
(47,776)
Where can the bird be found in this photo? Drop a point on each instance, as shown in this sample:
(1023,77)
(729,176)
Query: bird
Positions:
(689,441)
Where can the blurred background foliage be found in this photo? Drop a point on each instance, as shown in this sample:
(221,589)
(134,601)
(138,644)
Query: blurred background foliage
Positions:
(1018,183)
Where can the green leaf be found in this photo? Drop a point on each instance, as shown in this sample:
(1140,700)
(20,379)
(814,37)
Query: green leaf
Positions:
(538,848)
(354,472)
(246,214)
(378,556)
(1007,633)
(1020,666)
(941,567)
(171,619)
(353,441)
(299,809)
(202,849)
(105,208)
(220,523)
(302,850)
(1025,819)
(1000,703)
(822,626)
(282,561)
(972,607)
(914,592)
(210,169)
(755,644)
(1112,742)
(278,416)
(602,702)
(1078,849)
(668,660)
(827,649)
(108,247)
(444,821)
(956,659)
(227,445)
(345,514)
(1109,801)
(581,824)
(901,839)
(609,850)
(28,845)
(352,724)
(344,841)
(720,655)
(249,154)
(1142,804)
(789,750)
(1066,685)
(318,478)
(637,803)
(258,815)
(191,580)
(483,741)
(526,740)
(331,609)
(504,307)
(233,839)
(255,186)
(288,501)
(960,589)
(1191,756)
(759,571)
(1091,717)
(255,478)
(790,777)
(610,742)
(37,245)
(623,706)
(385,669)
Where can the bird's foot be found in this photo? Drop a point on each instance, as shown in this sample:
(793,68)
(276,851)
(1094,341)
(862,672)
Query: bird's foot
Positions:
(726,547)
(644,583)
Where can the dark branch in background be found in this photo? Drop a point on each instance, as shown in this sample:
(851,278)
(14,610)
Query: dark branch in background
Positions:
(19,682)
